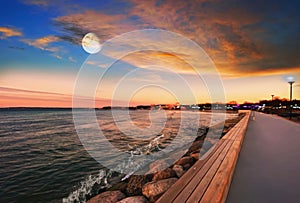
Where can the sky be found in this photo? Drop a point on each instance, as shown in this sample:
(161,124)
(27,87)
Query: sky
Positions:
(254,46)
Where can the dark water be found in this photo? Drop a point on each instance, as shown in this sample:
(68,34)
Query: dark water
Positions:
(43,160)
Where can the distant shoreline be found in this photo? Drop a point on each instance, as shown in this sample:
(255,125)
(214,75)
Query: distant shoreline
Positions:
(104,109)
(36,108)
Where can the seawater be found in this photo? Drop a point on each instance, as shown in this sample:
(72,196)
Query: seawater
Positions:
(43,160)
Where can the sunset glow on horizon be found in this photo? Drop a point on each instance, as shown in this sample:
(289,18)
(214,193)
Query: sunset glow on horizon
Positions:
(254,46)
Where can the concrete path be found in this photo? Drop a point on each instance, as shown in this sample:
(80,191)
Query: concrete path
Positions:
(268,167)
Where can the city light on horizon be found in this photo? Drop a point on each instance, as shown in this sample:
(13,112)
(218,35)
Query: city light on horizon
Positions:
(238,89)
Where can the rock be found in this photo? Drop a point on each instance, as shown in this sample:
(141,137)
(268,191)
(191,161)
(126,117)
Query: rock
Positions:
(225,130)
(107,197)
(135,184)
(196,146)
(178,169)
(196,151)
(195,156)
(228,125)
(202,131)
(186,166)
(119,186)
(185,160)
(153,190)
(134,199)
(160,165)
(167,173)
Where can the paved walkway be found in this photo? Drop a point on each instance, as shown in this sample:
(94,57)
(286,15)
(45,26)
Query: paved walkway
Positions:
(268,167)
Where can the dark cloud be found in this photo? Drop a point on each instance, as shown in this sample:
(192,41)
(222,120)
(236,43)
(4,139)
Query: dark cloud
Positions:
(70,32)
(75,26)
(240,36)
(43,3)
(17,48)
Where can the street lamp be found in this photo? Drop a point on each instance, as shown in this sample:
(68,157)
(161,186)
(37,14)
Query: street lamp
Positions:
(272,105)
(291,81)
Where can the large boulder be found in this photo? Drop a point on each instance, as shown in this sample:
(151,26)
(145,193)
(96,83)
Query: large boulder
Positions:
(196,146)
(119,186)
(107,197)
(195,156)
(167,173)
(153,190)
(178,169)
(186,160)
(135,184)
(186,166)
(202,131)
(160,165)
(134,199)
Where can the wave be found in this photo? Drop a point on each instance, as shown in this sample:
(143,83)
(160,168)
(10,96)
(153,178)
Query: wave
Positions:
(86,187)
(102,179)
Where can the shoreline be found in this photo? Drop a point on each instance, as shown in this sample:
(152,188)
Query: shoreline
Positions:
(149,187)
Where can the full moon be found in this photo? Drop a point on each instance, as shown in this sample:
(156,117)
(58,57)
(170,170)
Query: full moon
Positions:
(91,43)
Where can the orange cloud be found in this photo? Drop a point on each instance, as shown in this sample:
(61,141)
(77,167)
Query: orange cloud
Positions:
(232,35)
(9,32)
(159,61)
(219,33)
(106,26)
(95,63)
(42,43)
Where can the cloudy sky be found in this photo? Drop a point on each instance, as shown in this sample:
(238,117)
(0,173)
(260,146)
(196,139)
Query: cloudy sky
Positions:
(253,44)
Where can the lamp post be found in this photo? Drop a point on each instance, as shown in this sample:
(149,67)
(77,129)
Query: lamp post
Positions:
(291,82)
(272,105)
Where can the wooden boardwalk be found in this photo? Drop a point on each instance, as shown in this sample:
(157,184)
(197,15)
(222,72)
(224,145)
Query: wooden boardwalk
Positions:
(208,180)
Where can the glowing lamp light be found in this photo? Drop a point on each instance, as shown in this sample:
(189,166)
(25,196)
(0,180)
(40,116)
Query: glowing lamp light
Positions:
(290,79)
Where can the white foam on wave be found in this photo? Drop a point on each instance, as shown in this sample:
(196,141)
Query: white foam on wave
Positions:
(86,186)
(128,167)
(135,164)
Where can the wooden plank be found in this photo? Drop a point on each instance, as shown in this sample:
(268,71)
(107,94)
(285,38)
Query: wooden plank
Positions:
(237,131)
(206,180)
(209,179)
(218,189)
(234,134)
(187,191)
(244,128)
(228,135)
(233,131)
(179,185)
(240,136)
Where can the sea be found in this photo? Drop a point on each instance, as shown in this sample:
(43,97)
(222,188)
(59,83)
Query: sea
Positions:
(43,159)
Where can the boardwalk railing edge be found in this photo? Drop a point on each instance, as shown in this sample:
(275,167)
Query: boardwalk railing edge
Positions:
(209,179)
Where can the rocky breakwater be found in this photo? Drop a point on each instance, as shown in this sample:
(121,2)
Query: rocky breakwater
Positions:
(162,174)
